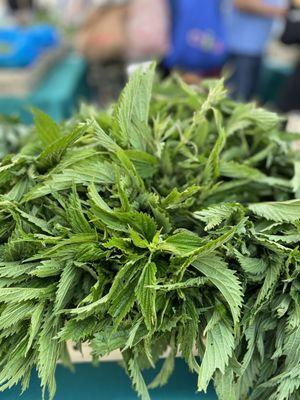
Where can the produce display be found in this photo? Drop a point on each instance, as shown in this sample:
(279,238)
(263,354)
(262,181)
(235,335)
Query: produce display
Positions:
(168,224)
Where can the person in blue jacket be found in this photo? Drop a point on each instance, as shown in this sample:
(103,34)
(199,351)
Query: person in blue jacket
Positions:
(248,28)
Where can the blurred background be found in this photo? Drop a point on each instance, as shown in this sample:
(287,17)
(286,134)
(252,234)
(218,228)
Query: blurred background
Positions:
(56,54)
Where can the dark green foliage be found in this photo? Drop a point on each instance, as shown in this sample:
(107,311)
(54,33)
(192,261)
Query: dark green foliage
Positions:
(13,134)
(171,225)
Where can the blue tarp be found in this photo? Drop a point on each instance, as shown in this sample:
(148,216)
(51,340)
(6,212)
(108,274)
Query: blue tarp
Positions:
(21,47)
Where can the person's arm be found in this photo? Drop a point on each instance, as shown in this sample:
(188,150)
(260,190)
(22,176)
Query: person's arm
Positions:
(260,7)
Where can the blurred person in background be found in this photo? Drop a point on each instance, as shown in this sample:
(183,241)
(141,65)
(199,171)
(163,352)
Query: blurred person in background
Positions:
(21,11)
(249,25)
(20,4)
(198,45)
(17,5)
(289,98)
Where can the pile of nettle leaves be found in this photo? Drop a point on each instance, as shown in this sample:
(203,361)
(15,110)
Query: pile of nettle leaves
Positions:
(12,134)
(165,226)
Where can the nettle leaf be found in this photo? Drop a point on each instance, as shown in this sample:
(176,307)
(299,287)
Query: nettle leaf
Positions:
(107,341)
(76,216)
(104,139)
(47,129)
(15,269)
(289,384)
(167,368)
(214,244)
(137,240)
(189,283)
(215,215)
(168,223)
(284,211)
(216,92)
(122,303)
(16,368)
(127,272)
(218,350)
(138,380)
(145,164)
(190,323)
(48,354)
(226,388)
(296,178)
(246,115)
(129,169)
(88,310)
(291,346)
(271,277)
(35,324)
(216,269)
(233,169)
(46,269)
(54,151)
(141,222)
(146,294)
(12,314)
(252,266)
(176,199)
(133,109)
(18,294)
(182,243)
(212,167)
(35,221)
(67,282)
(78,330)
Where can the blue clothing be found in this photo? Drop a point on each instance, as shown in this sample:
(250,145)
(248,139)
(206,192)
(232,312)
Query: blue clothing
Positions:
(245,73)
(248,33)
(197,37)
